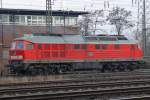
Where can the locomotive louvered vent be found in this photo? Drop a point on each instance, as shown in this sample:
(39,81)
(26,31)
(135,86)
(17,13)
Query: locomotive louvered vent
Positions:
(101,38)
(121,38)
(50,34)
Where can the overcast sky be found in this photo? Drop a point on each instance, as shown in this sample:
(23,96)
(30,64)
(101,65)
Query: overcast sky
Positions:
(66,4)
(78,5)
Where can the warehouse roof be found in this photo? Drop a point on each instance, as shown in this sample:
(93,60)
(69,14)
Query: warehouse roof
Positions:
(40,12)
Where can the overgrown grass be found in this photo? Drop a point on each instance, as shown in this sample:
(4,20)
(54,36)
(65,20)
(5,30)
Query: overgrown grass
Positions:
(6,80)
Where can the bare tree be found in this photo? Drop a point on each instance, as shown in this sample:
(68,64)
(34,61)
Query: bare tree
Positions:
(90,22)
(119,17)
(97,19)
(85,23)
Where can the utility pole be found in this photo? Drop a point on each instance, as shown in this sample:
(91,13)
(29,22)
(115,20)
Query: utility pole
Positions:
(49,17)
(144,33)
(2,36)
(144,28)
(1,4)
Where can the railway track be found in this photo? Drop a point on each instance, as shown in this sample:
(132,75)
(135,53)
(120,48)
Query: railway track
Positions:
(136,97)
(75,76)
(80,78)
(80,91)
(66,89)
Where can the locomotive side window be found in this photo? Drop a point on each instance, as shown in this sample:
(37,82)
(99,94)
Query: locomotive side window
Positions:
(104,46)
(29,46)
(39,46)
(116,46)
(77,46)
(46,46)
(133,46)
(84,46)
(97,46)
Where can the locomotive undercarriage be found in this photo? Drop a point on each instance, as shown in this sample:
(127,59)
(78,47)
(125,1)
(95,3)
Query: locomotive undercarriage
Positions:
(58,68)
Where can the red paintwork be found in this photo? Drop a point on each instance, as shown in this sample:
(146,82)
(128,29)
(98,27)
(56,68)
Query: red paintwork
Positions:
(67,52)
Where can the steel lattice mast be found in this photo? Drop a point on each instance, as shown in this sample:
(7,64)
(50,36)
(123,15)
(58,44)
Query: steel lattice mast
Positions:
(49,17)
(144,28)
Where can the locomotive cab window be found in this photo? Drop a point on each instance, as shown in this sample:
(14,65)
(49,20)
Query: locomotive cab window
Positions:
(29,46)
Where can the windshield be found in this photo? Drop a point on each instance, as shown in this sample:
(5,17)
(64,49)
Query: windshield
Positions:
(17,45)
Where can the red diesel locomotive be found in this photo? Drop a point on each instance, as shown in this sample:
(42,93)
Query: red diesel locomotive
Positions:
(49,53)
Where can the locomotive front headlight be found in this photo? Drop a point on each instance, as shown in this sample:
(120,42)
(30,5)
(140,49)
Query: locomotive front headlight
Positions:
(17,57)
(20,57)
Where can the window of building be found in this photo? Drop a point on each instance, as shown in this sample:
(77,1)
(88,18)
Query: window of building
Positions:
(116,46)
(61,19)
(67,20)
(22,20)
(57,17)
(57,20)
(11,18)
(34,20)
(16,19)
(71,21)
(77,46)
(39,19)
(5,18)
(97,46)
(29,20)
(44,19)
(0,18)
(84,46)
(76,20)
(29,46)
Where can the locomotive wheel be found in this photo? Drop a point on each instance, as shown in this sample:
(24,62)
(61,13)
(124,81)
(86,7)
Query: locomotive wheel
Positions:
(106,68)
(53,70)
(60,70)
(121,68)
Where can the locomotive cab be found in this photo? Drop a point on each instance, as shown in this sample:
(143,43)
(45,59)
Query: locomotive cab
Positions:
(16,51)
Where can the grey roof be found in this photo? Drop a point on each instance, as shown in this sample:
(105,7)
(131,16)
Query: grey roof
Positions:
(41,12)
(73,38)
(76,39)
(43,39)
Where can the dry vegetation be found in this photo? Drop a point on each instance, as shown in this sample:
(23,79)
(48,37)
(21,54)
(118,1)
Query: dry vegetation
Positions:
(6,80)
